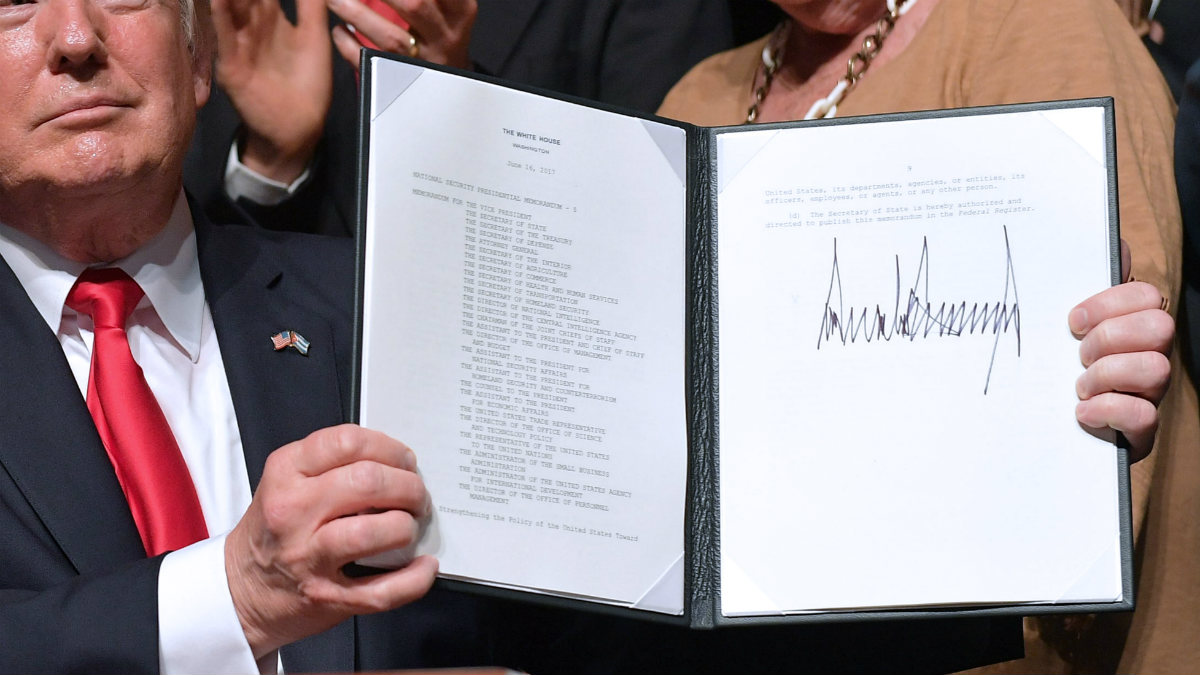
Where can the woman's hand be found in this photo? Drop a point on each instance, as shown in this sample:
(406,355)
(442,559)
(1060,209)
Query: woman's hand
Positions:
(434,30)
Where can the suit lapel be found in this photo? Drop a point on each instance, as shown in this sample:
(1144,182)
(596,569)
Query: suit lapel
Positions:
(49,445)
(279,396)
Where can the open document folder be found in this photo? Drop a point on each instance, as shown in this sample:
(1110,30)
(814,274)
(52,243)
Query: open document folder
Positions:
(759,373)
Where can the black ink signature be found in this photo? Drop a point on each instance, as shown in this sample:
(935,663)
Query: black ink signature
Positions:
(919,318)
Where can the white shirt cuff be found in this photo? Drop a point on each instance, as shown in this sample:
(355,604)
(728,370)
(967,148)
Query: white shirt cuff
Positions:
(198,627)
(243,182)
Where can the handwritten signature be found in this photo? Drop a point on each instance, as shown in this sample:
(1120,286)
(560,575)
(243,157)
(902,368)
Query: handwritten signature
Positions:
(919,318)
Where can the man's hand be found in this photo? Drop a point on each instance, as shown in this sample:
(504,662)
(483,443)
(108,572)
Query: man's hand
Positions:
(1126,339)
(341,494)
(278,77)
(441,29)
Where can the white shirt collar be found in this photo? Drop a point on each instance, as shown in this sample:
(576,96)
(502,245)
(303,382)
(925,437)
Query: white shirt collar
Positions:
(167,269)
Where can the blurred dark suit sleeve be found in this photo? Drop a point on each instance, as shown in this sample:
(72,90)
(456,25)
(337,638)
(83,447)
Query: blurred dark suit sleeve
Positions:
(626,53)
(1187,178)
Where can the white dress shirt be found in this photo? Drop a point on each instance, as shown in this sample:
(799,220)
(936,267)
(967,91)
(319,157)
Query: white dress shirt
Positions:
(243,182)
(172,338)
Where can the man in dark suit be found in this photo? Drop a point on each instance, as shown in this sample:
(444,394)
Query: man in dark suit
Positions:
(99,101)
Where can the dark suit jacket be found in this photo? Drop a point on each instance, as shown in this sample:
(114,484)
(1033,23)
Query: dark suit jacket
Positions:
(549,640)
(622,52)
(626,53)
(77,593)
(1187,179)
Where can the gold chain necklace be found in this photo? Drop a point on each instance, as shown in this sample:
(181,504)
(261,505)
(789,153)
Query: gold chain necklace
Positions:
(772,55)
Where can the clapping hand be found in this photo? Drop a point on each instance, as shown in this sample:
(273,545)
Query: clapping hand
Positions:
(278,77)
(434,30)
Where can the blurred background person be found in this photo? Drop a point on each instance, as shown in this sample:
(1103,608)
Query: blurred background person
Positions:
(1172,34)
(932,54)
(277,144)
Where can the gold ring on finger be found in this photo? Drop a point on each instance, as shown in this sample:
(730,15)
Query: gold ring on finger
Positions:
(414,48)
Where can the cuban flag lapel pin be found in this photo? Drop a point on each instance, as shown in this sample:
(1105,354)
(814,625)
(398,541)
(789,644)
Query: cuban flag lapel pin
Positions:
(290,338)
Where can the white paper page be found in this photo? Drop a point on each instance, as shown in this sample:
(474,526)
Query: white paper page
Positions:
(869,458)
(525,332)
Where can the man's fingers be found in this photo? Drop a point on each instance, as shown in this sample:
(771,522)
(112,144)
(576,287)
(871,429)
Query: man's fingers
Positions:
(1141,331)
(369,486)
(329,448)
(362,535)
(1113,302)
(395,588)
(1125,339)
(1133,416)
(336,472)
(1145,374)
(345,596)
(388,590)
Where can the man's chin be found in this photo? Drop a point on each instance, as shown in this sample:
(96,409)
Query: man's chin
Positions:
(79,180)
(93,164)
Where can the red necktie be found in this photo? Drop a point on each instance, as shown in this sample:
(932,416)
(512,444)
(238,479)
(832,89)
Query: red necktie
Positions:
(132,426)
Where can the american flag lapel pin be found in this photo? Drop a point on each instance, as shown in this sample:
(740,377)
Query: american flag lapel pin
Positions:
(290,338)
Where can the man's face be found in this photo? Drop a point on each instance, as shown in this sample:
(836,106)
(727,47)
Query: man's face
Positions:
(95,95)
